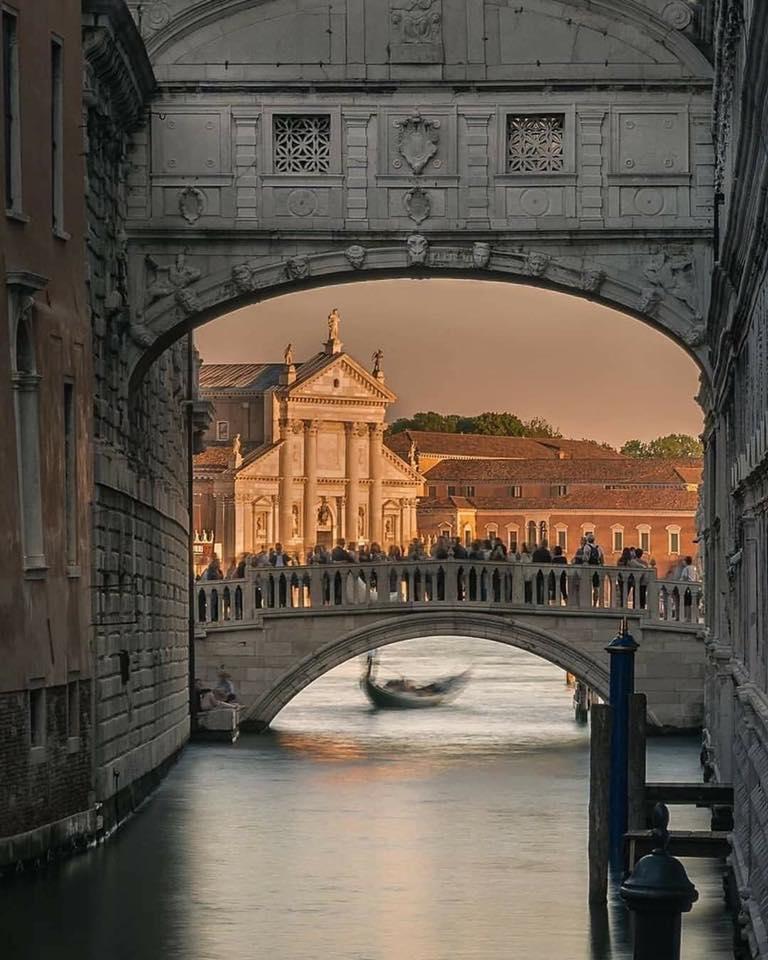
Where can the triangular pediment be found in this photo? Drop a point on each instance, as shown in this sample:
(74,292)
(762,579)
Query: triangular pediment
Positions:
(262,462)
(340,378)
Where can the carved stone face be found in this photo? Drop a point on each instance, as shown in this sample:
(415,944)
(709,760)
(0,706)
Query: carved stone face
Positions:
(356,255)
(592,280)
(187,300)
(242,277)
(481,254)
(418,247)
(536,263)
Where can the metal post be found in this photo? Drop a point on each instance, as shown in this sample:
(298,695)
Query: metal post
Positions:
(658,892)
(622,652)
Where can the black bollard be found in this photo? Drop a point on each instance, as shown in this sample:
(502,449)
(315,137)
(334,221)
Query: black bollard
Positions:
(658,892)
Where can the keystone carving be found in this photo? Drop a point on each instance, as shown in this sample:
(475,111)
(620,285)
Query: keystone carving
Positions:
(418,141)
(418,248)
(355,254)
(481,254)
(297,268)
(169,278)
(417,204)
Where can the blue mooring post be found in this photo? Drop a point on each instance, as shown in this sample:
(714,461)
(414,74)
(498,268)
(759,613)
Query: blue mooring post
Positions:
(622,651)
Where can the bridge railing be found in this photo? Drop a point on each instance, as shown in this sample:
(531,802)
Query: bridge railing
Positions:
(531,586)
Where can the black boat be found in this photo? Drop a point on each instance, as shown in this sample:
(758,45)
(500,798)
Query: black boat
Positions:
(403,694)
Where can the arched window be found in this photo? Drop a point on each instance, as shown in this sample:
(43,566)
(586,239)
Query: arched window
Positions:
(561,536)
(513,537)
(491,530)
(26,381)
(532,533)
(617,538)
(644,537)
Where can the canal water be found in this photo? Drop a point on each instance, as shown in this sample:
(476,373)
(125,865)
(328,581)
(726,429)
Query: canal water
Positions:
(457,833)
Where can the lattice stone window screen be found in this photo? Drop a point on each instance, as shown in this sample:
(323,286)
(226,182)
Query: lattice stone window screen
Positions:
(535,142)
(302,143)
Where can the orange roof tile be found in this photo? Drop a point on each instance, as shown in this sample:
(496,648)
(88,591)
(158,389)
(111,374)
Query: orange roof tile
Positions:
(574,471)
(498,448)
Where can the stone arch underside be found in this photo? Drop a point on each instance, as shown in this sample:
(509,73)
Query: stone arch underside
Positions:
(630,281)
(478,626)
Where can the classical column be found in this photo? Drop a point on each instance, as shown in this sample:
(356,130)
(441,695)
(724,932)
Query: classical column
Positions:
(285,495)
(405,523)
(353,432)
(414,519)
(240,521)
(376,468)
(310,483)
(271,522)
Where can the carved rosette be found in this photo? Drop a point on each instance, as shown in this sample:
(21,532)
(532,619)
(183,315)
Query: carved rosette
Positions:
(678,14)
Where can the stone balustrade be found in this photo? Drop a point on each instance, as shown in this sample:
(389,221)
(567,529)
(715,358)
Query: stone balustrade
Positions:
(430,583)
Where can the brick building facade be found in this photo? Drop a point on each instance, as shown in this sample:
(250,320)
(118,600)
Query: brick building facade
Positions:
(46,677)
(525,490)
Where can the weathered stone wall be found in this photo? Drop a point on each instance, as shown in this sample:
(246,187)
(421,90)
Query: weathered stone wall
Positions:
(140,522)
(736,518)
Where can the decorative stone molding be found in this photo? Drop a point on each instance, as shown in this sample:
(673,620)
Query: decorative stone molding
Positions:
(355,254)
(418,249)
(673,272)
(649,301)
(416,31)
(242,277)
(168,278)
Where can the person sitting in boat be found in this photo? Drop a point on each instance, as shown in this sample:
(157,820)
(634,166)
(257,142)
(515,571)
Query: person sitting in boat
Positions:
(226,689)
(207,699)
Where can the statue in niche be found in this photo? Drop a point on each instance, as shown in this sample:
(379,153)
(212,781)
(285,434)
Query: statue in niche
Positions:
(377,358)
(334,319)
(323,513)
(389,531)
(361,522)
(260,525)
(295,519)
(288,355)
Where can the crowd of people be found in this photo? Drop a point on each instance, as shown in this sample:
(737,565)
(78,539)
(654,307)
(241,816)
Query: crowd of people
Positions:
(589,552)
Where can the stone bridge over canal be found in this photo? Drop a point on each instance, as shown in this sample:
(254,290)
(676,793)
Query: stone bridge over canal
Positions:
(277,630)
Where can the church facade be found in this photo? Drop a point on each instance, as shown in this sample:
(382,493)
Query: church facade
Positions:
(296,456)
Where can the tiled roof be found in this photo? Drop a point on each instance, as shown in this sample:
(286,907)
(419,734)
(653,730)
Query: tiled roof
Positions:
(691,473)
(642,499)
(255,377)
(574,471)
(213,458)
(499,448)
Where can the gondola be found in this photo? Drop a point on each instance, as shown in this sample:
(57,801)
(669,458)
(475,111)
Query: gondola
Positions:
(405,695)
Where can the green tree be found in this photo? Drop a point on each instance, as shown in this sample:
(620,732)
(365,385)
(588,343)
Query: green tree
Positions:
(497,425)
(490,423)
(674,446)
(538,427)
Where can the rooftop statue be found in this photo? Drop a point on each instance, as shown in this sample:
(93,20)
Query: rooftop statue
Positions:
(289,355)
(333,324)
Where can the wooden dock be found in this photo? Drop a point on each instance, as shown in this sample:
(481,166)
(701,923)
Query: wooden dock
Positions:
(705,844)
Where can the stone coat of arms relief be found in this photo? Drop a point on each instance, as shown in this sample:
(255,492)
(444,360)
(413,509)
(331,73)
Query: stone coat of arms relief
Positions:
(418,141)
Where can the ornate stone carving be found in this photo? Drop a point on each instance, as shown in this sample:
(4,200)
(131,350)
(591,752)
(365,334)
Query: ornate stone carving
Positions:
(187,300)
(151,16)
(417,204)
(673,273)
(302,203)
(649,301)
(592,280)
(418,248)
(169,278)
(377,357)
(697,335)
(355,254)
(536,264)
(288,355)
(417,141)
(416,30)
(191,204)
(141,335)
(678,14)
(481,254)
(334,323)
(297,268)
(242,277)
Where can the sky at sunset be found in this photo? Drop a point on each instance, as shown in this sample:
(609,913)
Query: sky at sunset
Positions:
(464,347)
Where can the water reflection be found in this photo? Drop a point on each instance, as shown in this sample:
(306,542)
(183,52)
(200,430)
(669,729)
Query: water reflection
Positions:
(348,834)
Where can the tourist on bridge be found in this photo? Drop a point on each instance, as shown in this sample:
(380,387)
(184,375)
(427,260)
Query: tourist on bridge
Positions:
(459,550)
(231,570)
(213,570)
(498,550)
(541,554)
(340,554)
(593,552)
(278,557)
(578,557)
